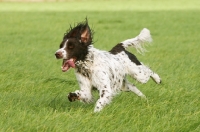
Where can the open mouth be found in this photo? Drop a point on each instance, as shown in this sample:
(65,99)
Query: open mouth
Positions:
(67,64)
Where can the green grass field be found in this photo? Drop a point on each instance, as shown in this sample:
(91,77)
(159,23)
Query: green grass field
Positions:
(33,89)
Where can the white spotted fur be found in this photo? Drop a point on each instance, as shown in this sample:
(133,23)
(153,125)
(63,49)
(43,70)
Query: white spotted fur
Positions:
(107,72)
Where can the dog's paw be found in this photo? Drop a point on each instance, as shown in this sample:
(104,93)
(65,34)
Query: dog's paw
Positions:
(72,97)
(156,78)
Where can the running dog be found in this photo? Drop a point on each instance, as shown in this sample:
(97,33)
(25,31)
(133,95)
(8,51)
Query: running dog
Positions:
(104,70)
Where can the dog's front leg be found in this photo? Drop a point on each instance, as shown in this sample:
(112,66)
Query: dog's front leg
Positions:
(84,94)
(105,98)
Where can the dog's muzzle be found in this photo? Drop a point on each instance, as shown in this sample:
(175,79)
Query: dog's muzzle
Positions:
(59,55)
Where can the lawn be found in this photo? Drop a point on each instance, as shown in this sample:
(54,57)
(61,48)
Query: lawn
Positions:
(33,88)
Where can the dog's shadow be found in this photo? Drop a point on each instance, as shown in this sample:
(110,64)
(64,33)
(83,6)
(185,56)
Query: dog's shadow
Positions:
(59,80)
(61,103)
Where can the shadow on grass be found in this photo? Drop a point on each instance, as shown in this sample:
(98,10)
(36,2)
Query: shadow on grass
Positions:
(61,103)
(59,80)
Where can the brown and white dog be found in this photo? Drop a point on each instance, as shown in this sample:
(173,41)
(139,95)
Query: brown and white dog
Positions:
(103,70)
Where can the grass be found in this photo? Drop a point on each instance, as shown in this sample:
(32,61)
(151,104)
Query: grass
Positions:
(33,89)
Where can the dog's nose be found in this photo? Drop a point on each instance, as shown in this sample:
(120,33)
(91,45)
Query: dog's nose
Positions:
(58,55)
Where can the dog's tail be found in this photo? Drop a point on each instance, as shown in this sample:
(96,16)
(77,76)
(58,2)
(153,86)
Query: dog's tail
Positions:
(139,41)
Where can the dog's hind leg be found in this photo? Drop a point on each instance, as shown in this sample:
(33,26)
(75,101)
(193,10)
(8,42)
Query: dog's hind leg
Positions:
(143,73)
(139,71)
(155,77)
(152,74)
(127,86)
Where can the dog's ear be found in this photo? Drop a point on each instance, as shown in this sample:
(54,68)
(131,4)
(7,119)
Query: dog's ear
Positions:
(82,32)
(73,32)
(86,36)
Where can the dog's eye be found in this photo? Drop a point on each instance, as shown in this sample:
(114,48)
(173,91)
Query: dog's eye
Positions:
(70,45)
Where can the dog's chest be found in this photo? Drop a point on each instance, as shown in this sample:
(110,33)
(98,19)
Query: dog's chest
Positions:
(84,67)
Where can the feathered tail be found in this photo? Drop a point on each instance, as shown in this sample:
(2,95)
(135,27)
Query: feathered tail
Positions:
(139,41)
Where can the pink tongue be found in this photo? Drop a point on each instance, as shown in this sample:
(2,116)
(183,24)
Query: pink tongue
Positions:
(67,65)
(65,68)
(71,63)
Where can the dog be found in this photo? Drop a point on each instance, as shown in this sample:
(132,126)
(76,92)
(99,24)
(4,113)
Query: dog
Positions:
(104,70)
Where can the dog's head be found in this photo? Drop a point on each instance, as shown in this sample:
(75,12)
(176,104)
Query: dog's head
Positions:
(74,46)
